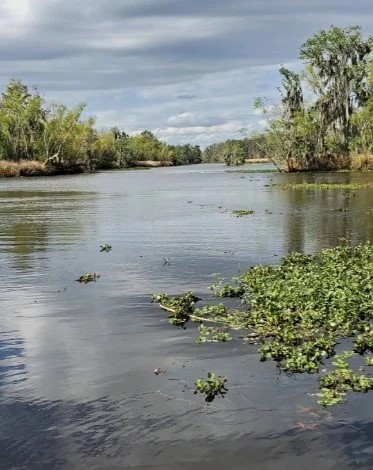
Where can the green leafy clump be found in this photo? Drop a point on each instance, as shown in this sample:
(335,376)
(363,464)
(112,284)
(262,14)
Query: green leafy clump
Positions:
(305,185)
(299,311)
(212,387)
(208,334)
(181,308)
(88,277)
(337,383)
(242,212)
(105,248)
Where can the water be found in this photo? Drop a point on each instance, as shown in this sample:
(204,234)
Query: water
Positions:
(77,388)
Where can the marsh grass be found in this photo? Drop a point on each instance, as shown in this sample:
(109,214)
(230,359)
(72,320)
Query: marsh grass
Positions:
(10,169)
(304,185)
(362,162)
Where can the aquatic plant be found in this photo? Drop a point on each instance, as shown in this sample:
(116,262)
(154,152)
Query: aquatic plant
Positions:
(105,248)
(212,386)
(305,185)
(242,212)
(298,312)
(88,277)
(255,170)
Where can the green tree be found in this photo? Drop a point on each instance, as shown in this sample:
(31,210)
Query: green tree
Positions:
(317,134)
(21,121)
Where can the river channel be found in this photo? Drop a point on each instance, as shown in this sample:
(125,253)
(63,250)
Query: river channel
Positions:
(77,382)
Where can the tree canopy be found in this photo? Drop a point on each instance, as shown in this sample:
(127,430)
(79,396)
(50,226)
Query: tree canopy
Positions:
(320,119)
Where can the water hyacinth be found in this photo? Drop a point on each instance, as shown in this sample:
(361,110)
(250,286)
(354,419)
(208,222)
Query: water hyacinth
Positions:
(297,312)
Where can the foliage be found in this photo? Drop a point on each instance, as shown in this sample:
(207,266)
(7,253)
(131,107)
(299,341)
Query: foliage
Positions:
(322,131)
(298,312)
(64,141)
(186,154)
(209,334)
(212,387)
(234,152)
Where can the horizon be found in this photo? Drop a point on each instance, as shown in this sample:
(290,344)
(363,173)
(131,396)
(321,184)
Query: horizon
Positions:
(187,73)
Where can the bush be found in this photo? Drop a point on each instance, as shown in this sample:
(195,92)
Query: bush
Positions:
(8,169)
(362,162)
(33,168)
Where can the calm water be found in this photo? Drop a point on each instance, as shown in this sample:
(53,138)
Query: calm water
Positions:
(77,388)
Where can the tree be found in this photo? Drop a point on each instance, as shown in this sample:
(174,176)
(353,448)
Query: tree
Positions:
(317,134)
(21,121)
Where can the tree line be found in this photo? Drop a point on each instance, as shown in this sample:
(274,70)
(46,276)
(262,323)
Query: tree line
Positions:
(60,137)
(235,151)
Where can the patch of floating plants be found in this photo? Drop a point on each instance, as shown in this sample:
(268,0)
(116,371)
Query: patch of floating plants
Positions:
(264,170)
(105,248)
(348,186)
(88,277)
(297,313)
(242,212)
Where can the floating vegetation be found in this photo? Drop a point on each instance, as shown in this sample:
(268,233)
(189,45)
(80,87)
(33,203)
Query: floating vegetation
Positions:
(264,170)
(212,386)
(105,248)
(304,185)
(297,312)
(88,277)
(242,212)
(209,334)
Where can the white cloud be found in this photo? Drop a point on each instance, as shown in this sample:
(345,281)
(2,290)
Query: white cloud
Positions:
(187,70)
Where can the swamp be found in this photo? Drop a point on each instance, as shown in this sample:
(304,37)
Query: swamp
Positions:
(94,376)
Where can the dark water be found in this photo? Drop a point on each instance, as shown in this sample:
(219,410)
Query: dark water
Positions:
(77,388)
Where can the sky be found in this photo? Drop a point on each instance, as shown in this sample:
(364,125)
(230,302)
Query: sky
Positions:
(187,70)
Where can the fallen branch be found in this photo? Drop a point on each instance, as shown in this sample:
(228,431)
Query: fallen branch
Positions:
(193,317)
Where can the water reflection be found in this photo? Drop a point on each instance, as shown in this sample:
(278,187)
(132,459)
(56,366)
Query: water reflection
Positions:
(33,220)
(77,388)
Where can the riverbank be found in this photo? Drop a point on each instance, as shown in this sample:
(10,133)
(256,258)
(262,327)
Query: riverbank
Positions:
(27,168)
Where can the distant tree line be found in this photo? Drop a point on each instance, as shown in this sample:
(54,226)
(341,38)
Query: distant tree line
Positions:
(235,151)
(55,135)
(324,120)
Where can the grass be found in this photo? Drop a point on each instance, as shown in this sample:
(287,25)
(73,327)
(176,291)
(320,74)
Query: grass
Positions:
(8,169)
(298,312)
(242,212)
(23,168)
(304,185)
(362,162)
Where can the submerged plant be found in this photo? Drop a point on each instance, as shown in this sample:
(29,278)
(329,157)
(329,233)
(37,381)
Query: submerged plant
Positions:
(88,277)
(105,248)
(298,312)
(212,387)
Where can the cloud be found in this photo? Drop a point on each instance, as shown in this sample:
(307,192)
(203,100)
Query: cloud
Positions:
(145,64)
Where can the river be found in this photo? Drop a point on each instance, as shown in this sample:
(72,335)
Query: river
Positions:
(77,382)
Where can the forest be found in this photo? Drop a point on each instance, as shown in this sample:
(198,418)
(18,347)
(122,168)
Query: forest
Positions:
(41,139)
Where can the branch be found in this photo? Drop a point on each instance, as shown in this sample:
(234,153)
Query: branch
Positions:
(193,317)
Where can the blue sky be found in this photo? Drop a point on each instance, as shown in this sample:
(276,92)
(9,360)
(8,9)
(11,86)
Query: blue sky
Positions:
(187,70)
